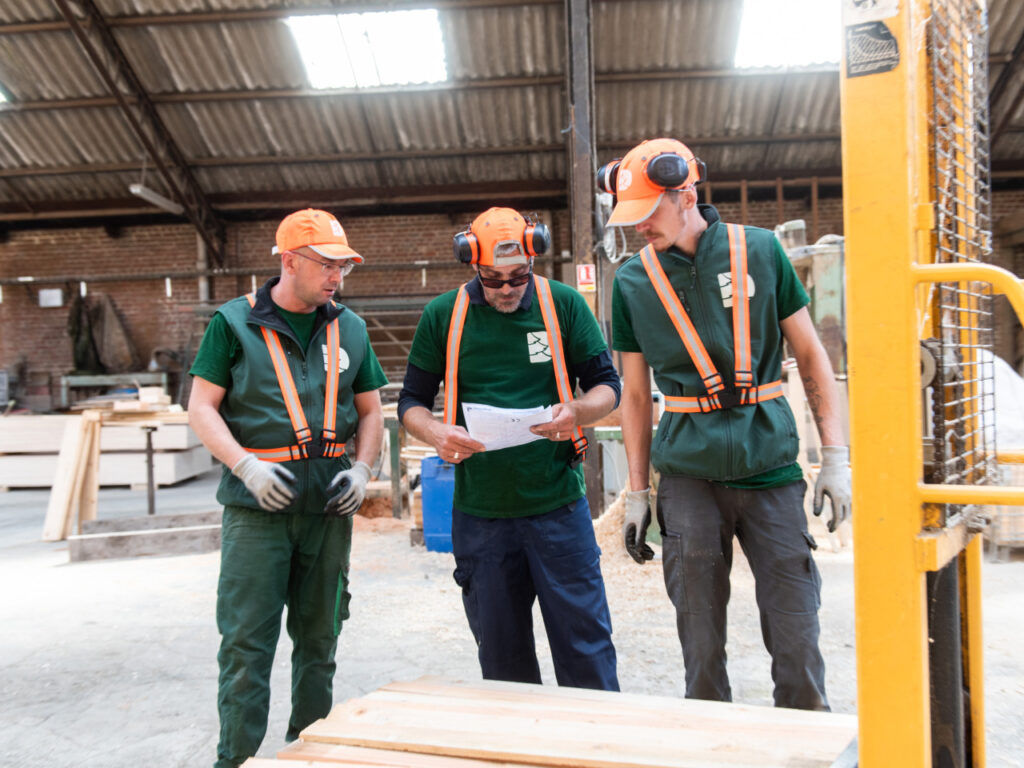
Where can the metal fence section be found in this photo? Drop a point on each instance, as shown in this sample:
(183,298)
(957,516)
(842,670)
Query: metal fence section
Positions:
(962,439)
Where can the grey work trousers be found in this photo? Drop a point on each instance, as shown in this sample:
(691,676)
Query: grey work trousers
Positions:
(698,520)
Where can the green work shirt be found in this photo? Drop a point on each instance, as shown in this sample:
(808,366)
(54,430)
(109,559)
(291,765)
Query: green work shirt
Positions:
(641,324)
(504,361)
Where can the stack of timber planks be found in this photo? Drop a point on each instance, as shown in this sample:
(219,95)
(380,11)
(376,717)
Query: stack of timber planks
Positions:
(434,722)
(31,446)
(76,475)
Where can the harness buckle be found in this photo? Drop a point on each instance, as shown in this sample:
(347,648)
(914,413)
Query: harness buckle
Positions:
(729,398)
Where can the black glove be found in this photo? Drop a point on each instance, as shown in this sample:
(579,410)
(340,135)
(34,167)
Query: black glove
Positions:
(634,526)
(348,488)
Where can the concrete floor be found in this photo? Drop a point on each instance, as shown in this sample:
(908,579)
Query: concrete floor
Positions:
(113,663)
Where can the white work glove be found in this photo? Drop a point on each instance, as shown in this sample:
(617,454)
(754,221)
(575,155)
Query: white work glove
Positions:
(834,481)
(271,484)
(634,527)
(348,488)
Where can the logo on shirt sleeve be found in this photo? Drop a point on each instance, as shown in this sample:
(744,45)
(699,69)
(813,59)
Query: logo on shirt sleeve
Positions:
(725,285)
(537,344)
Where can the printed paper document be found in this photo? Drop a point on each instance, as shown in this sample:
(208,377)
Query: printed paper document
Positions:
(500,428)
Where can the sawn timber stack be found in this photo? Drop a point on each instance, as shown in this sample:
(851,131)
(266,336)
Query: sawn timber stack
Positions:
(433,722)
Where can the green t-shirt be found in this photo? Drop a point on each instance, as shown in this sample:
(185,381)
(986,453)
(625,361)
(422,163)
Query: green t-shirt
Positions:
(301,324)
(504,361)
(791,297)
(219,350)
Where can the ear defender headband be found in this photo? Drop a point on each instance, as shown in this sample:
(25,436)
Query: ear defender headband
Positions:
(667,170)
(498,226)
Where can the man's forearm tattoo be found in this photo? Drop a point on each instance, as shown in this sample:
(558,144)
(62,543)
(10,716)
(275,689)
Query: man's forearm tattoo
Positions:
(814,399)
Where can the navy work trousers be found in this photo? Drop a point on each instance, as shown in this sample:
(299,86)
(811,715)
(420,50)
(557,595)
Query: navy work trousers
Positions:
(698,521)
(504,564)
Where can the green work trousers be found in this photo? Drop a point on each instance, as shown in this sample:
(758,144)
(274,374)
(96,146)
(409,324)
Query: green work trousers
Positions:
(270,560)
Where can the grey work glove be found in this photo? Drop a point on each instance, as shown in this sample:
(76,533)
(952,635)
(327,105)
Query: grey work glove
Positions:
(634,527)
(271,484)
(347,490)
(834,482)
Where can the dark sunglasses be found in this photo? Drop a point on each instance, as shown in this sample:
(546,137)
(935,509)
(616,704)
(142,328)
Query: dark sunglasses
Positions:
(513,282)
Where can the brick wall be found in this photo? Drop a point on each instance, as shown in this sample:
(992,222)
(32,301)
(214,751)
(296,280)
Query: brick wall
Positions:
(39,337)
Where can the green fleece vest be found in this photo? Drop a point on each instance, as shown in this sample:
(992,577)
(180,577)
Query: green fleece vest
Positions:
(254,409)
(728,444)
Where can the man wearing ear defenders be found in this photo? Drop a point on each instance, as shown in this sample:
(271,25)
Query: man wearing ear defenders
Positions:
(521,526)
(708,305)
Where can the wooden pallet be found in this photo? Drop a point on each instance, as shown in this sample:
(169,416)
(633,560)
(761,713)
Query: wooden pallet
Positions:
(436,721)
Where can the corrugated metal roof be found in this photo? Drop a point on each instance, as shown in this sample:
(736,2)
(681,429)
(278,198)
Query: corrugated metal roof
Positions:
(232,93)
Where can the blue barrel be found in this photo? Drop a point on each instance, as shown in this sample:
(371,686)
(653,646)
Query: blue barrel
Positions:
(437,479)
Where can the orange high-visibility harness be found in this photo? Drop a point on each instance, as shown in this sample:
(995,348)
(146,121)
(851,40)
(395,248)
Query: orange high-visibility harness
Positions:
(547,309)
(329,447)
(717,397)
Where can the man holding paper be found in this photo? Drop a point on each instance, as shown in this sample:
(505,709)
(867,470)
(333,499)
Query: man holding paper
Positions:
(509,344)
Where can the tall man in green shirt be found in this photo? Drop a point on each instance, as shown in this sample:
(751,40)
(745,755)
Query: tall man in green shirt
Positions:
(283,378)
(521,525)
(707,306)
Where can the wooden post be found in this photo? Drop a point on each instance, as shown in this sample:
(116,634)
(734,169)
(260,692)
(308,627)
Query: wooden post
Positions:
(580,88)
(780,202)
(814,210)
(743,202)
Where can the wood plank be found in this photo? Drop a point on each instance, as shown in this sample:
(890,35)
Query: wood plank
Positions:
(153,522)
(89,494)
(62,481)
(43,433)
(264,762)
(89,432)
(120,468)
(564,733)
(333,754)
(158,541)
(599,702)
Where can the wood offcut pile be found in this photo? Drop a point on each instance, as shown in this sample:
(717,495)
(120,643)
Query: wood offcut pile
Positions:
(434,722)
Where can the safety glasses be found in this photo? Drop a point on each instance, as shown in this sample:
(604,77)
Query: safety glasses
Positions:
(512,282)
(329,268)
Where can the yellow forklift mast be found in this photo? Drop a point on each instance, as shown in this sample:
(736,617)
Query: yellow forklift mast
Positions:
(917,220)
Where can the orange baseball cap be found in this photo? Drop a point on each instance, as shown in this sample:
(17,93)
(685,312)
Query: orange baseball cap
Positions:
(497,226)
(636,195)
(314,229)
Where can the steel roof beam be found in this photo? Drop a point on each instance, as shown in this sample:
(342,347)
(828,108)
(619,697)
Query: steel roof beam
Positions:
(106,56)
(557,80)
(264,14)
(355,157)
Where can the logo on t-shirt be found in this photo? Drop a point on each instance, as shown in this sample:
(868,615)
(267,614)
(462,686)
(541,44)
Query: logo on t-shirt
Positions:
(725,284)
(537,344)
(343,360)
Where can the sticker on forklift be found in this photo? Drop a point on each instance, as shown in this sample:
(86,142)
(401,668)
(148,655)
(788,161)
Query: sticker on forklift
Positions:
(860,11)
(870,49)
(586,278)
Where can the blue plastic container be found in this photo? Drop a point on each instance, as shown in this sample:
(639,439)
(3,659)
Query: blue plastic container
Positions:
(437,479)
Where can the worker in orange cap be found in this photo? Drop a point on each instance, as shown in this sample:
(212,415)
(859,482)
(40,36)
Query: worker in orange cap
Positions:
(283,378)
(708,306)
(521,525)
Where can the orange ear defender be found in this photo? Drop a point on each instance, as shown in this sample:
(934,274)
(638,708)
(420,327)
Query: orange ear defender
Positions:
(668,170)
(498,226)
